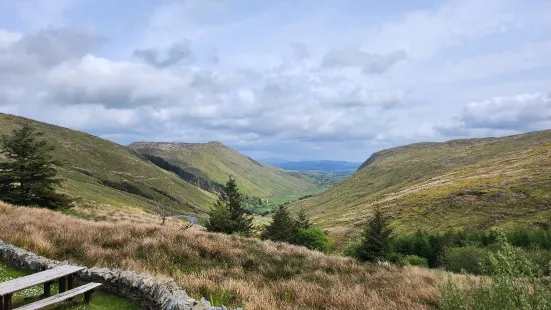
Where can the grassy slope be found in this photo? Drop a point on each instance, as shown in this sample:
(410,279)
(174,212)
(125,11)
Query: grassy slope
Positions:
(216,161)
(88,159)
(435,186)
(234,271)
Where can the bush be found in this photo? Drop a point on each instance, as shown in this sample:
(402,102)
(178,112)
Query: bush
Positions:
(513,284)
(313,238)
(351,250)
(468,258)
(415,260)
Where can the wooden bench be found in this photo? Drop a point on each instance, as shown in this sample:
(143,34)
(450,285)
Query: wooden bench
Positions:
(84,289)
(64,274)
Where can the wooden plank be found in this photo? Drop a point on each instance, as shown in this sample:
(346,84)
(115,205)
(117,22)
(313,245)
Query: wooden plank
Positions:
(21,283)
(60,297)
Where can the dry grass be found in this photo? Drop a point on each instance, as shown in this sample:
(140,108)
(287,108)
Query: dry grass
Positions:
(240,271)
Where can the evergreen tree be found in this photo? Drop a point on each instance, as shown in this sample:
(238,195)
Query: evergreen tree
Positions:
(229,215)
(303,221)
(28,177)
(376,243)
(282,228)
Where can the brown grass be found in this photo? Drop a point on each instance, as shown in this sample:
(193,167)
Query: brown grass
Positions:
(252,273)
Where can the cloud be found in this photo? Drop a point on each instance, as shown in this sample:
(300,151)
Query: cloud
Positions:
(300,51)
(520,113)
(370,63)
(175,53)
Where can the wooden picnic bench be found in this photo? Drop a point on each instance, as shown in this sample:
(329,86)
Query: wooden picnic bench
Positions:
(66,280)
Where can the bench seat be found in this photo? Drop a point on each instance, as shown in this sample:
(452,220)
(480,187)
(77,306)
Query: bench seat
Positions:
(60,297)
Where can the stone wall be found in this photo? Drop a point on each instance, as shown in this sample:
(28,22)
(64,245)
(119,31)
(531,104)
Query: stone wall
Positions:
(150,292)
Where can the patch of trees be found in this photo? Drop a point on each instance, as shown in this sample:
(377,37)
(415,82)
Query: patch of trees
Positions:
(28,175)
(202,183)
(298,231)
(454,250)
(229,215)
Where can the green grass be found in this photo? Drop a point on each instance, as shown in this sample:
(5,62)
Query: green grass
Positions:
(215,161)
(101,172)
(470,183)
(100,300)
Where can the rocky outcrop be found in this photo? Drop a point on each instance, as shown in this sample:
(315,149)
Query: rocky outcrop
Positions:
(150,292)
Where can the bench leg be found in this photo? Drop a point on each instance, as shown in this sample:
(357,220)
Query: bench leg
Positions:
(88,296)
(7,302)
(1,302)
(62,284)
(70,283)
(47,287)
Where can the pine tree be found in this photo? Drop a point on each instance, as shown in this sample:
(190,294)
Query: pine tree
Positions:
(229,215)
(376,243)
(28,177)
(303,221)
(282,228)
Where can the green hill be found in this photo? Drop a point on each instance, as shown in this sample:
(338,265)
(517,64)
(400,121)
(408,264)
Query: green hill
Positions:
(470,183)
(103,173)
(215,161)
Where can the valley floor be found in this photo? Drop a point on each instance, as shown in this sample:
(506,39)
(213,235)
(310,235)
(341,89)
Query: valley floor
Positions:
(229,270)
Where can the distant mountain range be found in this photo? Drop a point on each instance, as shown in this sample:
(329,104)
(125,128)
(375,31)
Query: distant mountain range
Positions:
(319,165)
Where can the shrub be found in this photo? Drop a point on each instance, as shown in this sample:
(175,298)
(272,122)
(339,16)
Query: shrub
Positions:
(313,238)
(513,284)
(351,250)
(415,260)
(468,258)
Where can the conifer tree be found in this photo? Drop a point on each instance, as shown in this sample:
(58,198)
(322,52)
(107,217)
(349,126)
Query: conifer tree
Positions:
(229,215)
(282,228)
(28,176)
(303,221)
(376,243)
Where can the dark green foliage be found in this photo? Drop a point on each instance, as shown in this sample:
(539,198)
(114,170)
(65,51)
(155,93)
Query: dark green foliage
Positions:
(376,242)
(303,221)
(512,284)
(469,259)
(28,177)
(282,228)
(228,215)
(298,231)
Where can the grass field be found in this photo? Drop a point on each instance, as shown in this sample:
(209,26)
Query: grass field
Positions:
(471,183)
(100,300)
(229,270)
(104,173)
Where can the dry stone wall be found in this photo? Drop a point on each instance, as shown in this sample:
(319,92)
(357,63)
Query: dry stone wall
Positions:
(150,292)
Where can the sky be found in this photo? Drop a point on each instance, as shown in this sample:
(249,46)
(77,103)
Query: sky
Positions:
(299,79)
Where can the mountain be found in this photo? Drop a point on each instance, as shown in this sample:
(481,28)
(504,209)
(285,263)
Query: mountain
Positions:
(319,165)
(103,173)
(214,162)
(468,183)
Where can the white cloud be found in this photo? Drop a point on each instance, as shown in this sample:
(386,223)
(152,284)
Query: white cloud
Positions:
(524,112)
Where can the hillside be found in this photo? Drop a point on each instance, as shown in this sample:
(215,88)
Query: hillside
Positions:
(214,161)
(103,173)
(472,183)
(231,270)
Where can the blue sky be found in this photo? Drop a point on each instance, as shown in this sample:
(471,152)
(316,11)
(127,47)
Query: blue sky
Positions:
(280,79)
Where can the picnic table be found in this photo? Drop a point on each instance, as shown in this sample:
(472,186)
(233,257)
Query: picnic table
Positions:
(65,275)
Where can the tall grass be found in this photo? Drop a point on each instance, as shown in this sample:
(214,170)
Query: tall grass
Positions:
(228,269)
